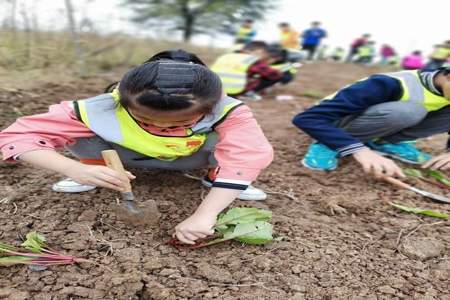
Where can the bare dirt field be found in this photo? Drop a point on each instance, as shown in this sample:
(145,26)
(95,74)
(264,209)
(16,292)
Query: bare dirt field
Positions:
(340,237)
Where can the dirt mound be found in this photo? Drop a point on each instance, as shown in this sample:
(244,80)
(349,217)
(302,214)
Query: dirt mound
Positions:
(341,239)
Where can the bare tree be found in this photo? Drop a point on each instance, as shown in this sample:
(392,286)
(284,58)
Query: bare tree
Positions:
(74,35)
(12,18)
(27,29)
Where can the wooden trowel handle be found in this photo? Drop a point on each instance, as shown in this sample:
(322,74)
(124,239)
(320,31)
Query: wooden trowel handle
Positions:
(113,161)
(397,182)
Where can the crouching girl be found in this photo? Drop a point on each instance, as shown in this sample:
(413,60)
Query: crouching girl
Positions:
(168,113)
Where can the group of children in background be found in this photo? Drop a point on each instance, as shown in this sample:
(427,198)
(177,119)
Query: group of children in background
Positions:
(173,112)
(307,45)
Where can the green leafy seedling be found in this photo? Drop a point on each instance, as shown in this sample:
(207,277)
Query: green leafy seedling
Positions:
(243,224)
(39,253)
(442,182)
(34,242)
(420,211)
(413,173)
(438,176)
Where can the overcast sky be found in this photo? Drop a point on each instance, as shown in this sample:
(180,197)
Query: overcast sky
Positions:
(406,24)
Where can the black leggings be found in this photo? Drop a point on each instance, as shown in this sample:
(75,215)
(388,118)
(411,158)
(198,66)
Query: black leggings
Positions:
(311,50)
(265,83)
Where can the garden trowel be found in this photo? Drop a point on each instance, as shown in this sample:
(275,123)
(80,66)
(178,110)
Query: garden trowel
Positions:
(401,184)
(129,208)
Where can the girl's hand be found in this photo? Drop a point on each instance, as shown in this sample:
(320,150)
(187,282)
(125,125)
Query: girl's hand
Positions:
(100,176)
(376,164)
(440,162)
(195,227)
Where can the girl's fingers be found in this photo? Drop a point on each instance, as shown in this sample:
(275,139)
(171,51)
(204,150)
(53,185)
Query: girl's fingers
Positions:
(431,162)
(105,184)
(190,236)
(183,239)
(445,166)
(198,235)
(130,175)
(119,176)
(398,172)
(205,233)
(440,163)
(111,179)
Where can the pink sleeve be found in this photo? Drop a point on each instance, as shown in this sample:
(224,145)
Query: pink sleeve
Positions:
(242,151)
(54,129)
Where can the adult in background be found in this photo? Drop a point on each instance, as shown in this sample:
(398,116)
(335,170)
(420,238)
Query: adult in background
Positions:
(311,38)
(356,44)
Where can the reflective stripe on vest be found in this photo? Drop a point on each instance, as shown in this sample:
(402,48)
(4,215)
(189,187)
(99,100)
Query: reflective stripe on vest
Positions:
(413,90)
(111,122)
(232,70)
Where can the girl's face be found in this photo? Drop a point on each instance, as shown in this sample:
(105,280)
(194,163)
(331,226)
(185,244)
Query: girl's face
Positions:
(185,118)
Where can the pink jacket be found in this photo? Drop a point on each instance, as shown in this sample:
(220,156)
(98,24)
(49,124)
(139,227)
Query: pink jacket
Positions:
(412,62)
(241,152)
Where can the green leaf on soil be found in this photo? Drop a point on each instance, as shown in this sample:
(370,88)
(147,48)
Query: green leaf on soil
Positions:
(258,233)
(34,242)
(241,215)
(420,211)
(438,176)
(413,173)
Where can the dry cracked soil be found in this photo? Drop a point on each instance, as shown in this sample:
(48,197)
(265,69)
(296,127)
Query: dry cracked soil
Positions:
(340,237)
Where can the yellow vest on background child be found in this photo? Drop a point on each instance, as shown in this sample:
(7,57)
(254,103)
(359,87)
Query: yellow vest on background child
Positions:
(441,53)
(413,90)
(232,69)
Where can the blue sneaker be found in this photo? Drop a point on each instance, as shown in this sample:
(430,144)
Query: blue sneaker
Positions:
(320,157)
(403,151)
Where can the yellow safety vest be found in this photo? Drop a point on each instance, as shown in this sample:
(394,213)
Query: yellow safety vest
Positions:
(441,53)
(232,70)
(110,121)
(414,90)
(365,51)
(243,33)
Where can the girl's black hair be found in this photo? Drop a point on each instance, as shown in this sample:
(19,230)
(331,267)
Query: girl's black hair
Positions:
(170,80)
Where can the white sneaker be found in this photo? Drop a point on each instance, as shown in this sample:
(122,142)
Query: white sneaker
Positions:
(251,96)
(250,194)
(68,185)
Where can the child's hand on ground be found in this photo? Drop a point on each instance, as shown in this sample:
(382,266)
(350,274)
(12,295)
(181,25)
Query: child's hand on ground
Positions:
(375,164)
(100,176)
(440,162)
(195,227)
